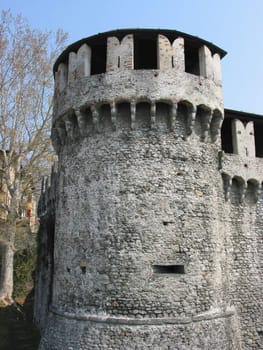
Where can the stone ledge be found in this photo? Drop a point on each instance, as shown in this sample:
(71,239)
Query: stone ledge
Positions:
(213,314)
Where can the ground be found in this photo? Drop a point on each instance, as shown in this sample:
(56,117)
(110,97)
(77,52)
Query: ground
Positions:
(17,331)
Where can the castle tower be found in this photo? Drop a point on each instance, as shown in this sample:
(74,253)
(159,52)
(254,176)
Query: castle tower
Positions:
(139,240)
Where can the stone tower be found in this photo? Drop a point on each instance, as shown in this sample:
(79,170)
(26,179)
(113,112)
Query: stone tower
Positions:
(143,244)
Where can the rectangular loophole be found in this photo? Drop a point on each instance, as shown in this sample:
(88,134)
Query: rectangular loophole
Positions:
(169,269)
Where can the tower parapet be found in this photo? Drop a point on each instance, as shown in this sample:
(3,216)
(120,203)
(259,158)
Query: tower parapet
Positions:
(241,159)
(136,66)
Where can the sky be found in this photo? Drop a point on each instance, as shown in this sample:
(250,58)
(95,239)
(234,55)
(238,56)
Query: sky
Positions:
(234,25)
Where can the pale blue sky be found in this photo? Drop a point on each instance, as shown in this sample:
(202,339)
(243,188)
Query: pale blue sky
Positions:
(234,25)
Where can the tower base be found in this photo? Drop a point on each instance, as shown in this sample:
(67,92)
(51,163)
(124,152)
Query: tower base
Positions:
(205,331)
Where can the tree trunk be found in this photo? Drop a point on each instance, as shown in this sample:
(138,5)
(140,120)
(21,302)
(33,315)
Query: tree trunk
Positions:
(8,239)
(6,285)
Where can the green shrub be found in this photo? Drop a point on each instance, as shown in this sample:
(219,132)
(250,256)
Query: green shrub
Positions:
(24,267)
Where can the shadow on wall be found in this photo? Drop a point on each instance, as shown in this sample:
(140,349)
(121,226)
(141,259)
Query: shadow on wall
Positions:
(17,331)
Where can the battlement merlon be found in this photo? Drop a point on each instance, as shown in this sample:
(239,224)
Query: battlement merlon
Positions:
(122,43)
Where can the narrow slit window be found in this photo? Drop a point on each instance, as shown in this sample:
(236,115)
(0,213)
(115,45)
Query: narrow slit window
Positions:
(169,269)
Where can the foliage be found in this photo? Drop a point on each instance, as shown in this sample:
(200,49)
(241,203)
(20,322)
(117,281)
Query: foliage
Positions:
(24,267)
(26,88)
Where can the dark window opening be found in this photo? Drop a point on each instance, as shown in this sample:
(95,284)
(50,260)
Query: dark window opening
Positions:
(145,53)
(98,58)
(191,56)
(169,269)
(166,223)
(226,136)
(258,130)
(83,269)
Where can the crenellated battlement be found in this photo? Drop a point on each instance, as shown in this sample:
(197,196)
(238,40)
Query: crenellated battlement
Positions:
(241,161)
(182,118)
(133,49)
(124,50)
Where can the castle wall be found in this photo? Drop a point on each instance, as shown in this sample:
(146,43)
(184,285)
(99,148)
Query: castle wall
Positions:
(244,250)
(157,230)
(129,175)
(211,333)
(45,260)
(242,178)
(137,229)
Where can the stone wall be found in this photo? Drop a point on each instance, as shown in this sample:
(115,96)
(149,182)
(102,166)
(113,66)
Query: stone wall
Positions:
(45,260)
(156,229)
(134,202)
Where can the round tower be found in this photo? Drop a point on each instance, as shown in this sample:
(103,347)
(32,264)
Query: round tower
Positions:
(138,237)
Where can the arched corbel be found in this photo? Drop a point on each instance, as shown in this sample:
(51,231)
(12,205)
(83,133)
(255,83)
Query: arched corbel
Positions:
(95,117)
(206,124)
(243,189)
(190,121)
(258,191)
(227,183)
(174,108)
(153,115)
(113,114)
(69,125)
(133,114)
(216,123)
(81,122)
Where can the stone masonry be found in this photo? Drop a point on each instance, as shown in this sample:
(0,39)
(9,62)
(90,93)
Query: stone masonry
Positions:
(151,228)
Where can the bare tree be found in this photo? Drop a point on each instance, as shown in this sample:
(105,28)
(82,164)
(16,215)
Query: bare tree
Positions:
(26,84)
